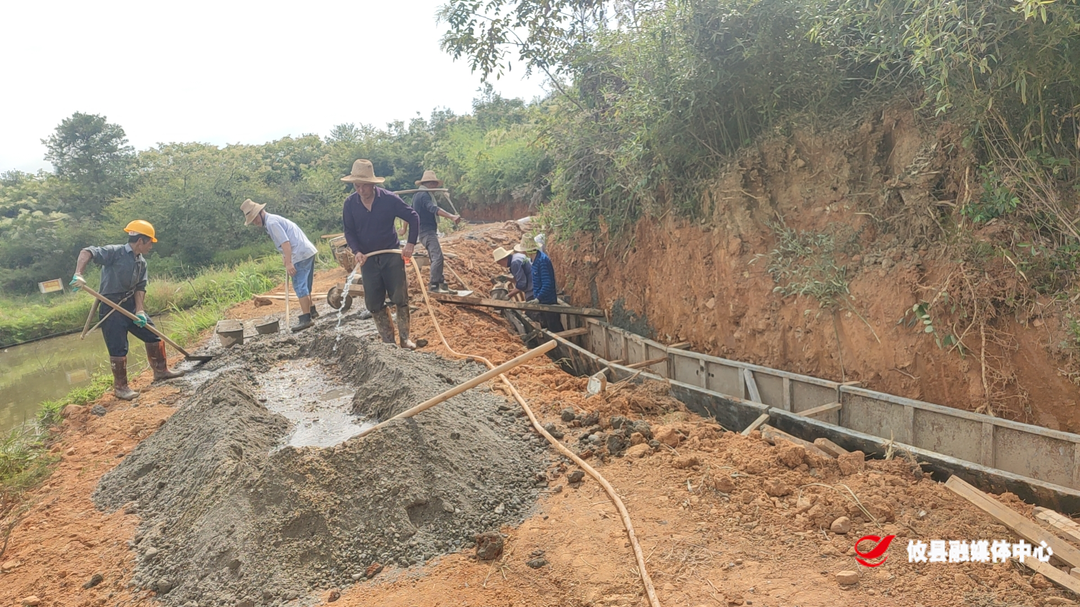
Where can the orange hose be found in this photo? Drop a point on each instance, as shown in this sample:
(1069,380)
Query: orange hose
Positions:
(650,591)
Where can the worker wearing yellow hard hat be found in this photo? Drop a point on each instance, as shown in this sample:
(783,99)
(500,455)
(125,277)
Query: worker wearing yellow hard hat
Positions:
(123,281)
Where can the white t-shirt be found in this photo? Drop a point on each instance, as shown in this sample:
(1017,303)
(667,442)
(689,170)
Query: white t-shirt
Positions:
(282,230)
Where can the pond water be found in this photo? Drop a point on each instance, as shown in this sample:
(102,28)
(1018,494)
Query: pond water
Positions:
(48,369)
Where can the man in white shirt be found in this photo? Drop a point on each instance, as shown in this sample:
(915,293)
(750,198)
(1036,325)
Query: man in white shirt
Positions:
(296,251)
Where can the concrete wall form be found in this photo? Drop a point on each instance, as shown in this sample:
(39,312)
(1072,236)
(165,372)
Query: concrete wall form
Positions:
(1022,450)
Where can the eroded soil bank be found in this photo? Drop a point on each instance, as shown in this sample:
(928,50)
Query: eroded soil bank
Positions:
(231,511)
(812,250)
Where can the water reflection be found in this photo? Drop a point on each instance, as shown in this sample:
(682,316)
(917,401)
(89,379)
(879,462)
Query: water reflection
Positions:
(49,369)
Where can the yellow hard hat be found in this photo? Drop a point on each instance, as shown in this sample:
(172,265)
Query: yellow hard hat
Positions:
(141,226)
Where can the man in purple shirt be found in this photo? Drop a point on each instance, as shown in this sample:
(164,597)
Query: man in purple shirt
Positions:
(368,216)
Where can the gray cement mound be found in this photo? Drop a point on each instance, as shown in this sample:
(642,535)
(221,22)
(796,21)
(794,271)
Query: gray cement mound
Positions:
(231,512)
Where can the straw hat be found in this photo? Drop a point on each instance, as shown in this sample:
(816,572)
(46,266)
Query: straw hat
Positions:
(500,254)
(527,245)
(362,172)
(428,177)
(251,210)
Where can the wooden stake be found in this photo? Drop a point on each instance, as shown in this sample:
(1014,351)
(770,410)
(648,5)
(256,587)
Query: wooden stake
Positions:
(819,410)
(751,386)
(1064,525)
(754,425)
(830,447)
(472,383)
(1052,573)
(646,363)
(1026,529)
(772,435)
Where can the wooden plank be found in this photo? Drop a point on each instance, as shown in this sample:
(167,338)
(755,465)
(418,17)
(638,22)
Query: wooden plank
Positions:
(573,332)
(511,305)
(830,447)
(819,410)
(1075,573)
(647,363)
(679,346)
(1011,519)
(751,385)
(1052,573)
(787,394)
(772,435)
(764,417)
(1063,524)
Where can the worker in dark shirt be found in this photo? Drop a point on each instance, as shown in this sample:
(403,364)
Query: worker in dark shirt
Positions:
(429,212)
(520,268)
(123,281)
(543,283)
(368,216)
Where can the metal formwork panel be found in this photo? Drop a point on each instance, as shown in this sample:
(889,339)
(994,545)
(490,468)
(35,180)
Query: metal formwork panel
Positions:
(947,434)
(807,395)
(653,351)
(875,416)
(771,389)
(1043,457)
(688,369)
(635,350)
(614,349)
(595,339)
(725,379)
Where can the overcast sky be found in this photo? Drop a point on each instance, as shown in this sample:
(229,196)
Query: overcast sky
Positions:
(224,72)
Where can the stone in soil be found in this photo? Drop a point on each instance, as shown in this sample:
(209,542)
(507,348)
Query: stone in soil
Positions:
(489,546)
(233,511)
(373,570)
(98,410)
(31,601)
(851,463)
(94,581)
(575,477)
(537,562)
(841,526)
(847,578)
(568,415)
(553,431)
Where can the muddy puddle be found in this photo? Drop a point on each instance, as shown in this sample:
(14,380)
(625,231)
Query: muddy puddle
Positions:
(316,405)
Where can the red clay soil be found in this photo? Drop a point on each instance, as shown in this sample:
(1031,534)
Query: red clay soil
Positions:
(723,519)
(878,188)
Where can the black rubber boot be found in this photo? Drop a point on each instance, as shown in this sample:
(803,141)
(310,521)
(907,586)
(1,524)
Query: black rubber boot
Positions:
(314,312)
(302,323)
(384,324)
(120,379)
(155,354)
(404,319)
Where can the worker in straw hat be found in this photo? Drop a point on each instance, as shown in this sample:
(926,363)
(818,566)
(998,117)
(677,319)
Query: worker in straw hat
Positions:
(520,268)
(123,281)
(429,212)
(296,251)
(368,218)
(543,280)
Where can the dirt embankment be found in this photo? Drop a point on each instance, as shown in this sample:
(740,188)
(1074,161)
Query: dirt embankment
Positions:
(859,219)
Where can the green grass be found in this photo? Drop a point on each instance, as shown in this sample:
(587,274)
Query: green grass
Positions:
(26,318)
(24,451)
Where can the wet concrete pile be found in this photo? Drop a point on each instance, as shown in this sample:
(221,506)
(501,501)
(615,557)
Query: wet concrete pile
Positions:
(231,512)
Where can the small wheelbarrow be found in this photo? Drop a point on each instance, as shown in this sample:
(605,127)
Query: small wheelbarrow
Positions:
(336,298)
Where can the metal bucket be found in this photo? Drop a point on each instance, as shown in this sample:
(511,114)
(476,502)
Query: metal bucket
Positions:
(268,326)
(230,333)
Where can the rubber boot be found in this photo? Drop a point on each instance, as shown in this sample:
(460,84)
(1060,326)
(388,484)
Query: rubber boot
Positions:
(384,325)
(302,323)
(155,354)
(314,313)
(403,321)
(120,382)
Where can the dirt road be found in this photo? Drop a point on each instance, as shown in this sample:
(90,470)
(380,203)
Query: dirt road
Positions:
(723,519)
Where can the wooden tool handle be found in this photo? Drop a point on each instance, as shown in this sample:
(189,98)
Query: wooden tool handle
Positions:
(149,327)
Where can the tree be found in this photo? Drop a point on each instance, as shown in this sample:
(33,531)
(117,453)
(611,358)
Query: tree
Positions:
(93,156)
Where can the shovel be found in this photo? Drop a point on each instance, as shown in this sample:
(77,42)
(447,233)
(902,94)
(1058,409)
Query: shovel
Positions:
(198,360)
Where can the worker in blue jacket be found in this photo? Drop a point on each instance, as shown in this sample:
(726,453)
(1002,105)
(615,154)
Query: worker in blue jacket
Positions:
(544,287)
